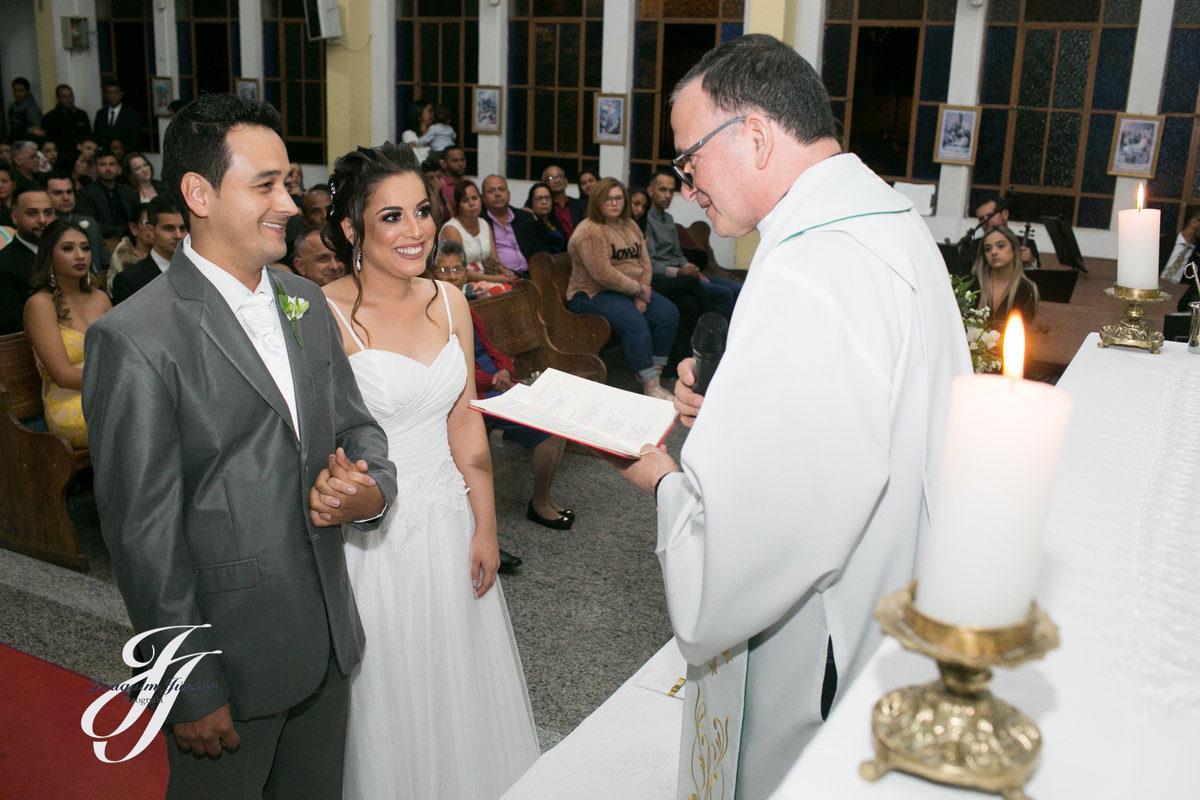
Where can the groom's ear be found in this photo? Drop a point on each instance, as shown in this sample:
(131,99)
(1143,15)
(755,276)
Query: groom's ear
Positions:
(198,193)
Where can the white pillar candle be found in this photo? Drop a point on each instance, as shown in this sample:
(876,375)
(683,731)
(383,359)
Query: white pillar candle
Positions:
(1003,440)
(1137,246)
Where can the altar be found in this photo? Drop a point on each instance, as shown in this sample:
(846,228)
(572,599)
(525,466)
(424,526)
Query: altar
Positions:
(1118,703)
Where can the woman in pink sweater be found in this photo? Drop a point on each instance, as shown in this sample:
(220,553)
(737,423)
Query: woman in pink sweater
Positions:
(610,276)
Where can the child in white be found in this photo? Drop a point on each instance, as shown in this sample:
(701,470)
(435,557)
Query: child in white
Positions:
(440,135)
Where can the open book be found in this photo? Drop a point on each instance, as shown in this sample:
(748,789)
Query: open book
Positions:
(584,411)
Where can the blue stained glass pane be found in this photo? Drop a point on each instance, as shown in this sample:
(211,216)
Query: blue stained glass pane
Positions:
(1062,150)
(998,59)
(185,90)
(1113,65)
(104,47)
(271,50)
(1183,72)
(235,48)
(517,123)
(1028,147)
(989,153)
(183,32)
(151,60)
(1095,212)
(923,166)
(516,168)
(1037,62)
(1071,72)
(935,66)
(1095,163)
(518,53)
(272,93)
(1172,158)
(835,62)
(404,98)
(730,30)
(645,56)
(404,50)
(643,125)
(1169,219)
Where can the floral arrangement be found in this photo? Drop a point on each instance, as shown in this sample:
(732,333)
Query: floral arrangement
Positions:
(982,341)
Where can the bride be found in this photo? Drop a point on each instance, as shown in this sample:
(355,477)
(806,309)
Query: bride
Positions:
(438,708)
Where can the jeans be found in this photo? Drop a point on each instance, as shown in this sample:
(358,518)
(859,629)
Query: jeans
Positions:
(722,293)
(645,337)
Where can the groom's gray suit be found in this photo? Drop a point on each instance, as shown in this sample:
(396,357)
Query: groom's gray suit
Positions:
(203,488)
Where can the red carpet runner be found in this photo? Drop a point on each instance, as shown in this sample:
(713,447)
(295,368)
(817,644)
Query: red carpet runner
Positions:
(44,753)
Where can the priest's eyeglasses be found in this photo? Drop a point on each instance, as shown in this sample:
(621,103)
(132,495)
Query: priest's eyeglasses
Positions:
(679,164)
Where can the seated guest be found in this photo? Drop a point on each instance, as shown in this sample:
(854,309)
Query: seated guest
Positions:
(440,136)
(453,163)
(85,151)
(32,212)
(314,206)
(24,159)
(173,108)
(101,200)
(139,185)
(468,230)
(989,218)
(5,151)
(1183,249)
(666,255)
(494,375)
(587,181)
(432,167)
(547,229)
(56,318)
(8,185)
(639,202)
(294,182)
(512,230)
(610,276)
(168,229)
(135,245)
(570,211)
(118,150)
(1003,287)
(314,260)
(61,189)
(49,151)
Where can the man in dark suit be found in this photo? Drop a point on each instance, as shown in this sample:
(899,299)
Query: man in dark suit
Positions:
(222,444)
(989,218)
(513,238)
(61,189)
(169,230)
(570,211)
(101,200)
(32,212)
(65,124)
(115,120)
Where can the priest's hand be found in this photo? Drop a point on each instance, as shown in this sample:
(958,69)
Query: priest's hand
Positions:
(208,734)
(645,472)
(344,492)
(687,402)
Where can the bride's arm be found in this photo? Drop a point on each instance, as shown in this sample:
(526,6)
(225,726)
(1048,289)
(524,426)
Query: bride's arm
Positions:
(469,447)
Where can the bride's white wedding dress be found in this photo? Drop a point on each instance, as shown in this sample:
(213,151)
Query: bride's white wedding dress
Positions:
(438,707)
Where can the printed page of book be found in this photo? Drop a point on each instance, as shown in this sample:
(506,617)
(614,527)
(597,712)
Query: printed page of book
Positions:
(591,413)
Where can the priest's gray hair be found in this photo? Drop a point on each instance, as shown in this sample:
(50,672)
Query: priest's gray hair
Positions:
(760,73)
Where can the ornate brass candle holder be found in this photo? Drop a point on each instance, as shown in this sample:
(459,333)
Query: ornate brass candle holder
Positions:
(1133,331)
(954,730)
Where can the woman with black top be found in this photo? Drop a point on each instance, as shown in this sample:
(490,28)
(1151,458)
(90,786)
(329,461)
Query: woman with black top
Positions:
(639,204)
(1003,286)
(546,229)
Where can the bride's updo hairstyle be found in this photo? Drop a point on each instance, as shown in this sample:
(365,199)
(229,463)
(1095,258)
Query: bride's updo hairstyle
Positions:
(355,178)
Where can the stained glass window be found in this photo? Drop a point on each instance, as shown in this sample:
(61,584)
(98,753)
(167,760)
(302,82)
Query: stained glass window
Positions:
(294,79)
(125,45)
(1176,183)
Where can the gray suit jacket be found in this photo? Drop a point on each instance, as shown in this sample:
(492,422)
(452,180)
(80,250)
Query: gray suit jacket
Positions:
(203,488)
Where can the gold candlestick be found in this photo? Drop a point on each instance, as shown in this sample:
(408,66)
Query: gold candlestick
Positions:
(1133,331)
(954,730)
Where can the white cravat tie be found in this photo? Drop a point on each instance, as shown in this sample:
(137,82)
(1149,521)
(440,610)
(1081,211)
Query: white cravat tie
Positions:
(258,317)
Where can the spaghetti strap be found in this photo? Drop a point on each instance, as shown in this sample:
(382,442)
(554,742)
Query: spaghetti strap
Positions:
(446,300)
(349,329)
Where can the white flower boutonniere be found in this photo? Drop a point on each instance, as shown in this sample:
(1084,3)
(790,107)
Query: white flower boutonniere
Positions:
(83,223)
(293,309)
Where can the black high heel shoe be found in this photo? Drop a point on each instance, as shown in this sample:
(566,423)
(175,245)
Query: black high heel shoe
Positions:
(561,523)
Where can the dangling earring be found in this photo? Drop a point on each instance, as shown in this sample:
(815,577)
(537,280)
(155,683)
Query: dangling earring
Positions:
(53,281)
(87,279)
(357,260)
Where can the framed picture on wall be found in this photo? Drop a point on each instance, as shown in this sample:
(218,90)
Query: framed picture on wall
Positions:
(487,111)
(957,126)
(609,119)
(1135,146)
(246,88)
(163,95)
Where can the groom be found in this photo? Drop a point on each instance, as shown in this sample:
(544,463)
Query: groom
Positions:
(222,430)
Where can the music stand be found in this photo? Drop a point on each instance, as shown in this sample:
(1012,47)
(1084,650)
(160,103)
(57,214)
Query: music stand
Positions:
(1066,248)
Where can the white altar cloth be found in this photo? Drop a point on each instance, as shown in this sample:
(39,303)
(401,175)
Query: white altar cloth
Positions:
(1118,703)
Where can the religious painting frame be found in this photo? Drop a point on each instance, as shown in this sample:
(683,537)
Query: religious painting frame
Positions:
(609,115)
(162,93)
(247,88)
(957,140)
(1135,145)
(487,109)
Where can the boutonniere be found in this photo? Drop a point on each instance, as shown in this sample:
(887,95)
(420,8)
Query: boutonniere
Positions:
(293,309)
(83,223)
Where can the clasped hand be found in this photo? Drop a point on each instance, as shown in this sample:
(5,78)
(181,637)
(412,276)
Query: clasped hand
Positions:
(344,492)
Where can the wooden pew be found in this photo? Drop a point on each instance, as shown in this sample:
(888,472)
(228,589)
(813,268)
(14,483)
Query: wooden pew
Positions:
(35,467)
(514,324)
(570,332)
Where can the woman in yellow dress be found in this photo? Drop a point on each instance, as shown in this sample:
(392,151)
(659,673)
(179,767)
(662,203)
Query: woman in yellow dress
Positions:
(57,316)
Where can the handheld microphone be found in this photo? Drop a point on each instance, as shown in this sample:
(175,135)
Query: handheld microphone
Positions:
(708,345)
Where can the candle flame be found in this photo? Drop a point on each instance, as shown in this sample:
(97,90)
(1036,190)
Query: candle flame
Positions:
(1014,346)
(1141,196)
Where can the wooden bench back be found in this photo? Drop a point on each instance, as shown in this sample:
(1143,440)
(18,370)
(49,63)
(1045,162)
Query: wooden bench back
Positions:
(19,376)
(512,319)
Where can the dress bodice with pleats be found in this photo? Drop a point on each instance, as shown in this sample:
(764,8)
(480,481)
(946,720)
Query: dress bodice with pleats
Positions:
(63,408)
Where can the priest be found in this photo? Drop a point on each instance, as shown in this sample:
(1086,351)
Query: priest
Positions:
(804,485)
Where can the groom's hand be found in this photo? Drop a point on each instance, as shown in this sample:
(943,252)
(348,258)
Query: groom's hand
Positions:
(208,734)
(344,492)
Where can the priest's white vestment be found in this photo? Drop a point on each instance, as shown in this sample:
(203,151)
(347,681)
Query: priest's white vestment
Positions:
(805,481)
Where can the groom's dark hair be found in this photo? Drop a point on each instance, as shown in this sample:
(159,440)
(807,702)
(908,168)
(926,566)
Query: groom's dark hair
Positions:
(195,140)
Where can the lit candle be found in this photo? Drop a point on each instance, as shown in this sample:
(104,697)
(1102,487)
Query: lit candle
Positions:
(1003,440)
(1137,245)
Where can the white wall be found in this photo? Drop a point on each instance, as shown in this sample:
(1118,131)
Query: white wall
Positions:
(18,48)
(80,69)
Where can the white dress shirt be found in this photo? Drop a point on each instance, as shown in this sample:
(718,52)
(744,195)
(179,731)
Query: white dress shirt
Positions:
(163,264)
(269,344)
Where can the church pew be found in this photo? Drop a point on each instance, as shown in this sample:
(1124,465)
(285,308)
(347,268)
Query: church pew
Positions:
(570,332)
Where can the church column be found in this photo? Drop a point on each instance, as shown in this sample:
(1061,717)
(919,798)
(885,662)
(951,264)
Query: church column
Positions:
(348,91)
(166,54)
(383,73)
(47,48)
(493,71)
(617,78)
(250,40)
(808,35)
